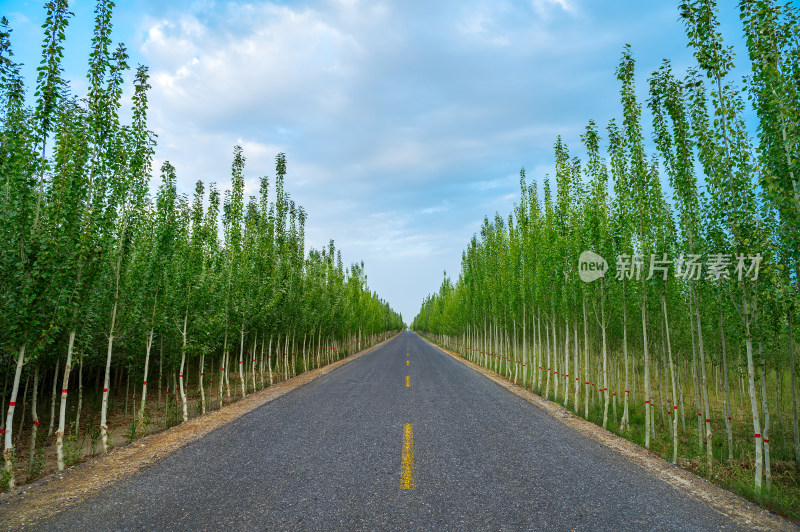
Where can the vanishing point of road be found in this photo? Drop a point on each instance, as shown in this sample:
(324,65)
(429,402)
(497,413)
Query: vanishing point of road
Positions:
(404,437)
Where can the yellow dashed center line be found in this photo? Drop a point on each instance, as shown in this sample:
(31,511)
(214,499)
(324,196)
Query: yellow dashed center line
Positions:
(408,362)
(408,381)
(407,467)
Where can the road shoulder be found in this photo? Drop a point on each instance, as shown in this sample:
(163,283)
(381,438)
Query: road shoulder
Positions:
(45,498)
(742,511)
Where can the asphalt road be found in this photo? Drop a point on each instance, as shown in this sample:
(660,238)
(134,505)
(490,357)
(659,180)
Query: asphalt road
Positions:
(329,455)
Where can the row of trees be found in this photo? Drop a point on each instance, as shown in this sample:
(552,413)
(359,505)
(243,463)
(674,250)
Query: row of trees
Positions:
(95,272)
(695,312)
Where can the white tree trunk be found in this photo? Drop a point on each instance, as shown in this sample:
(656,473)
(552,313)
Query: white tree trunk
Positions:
(752,391)
(625,408)
(148,347)
(253,372)
(576,362)
(765,433)
(549,354)
(62,413)
(53,400)
(565,370)
(202,388)
(183,363)
(647,418)
(709,448)
(674,406)
(585,360)
(222,376)
(606,396)
(8,451)
(35,418)
(524,350)
(226,369)
(269,360)
(241,362)
(106,381)
(80,398)
(726,396)
(540,355)
(160,368)
(795,433)
(695,386)
(104,408)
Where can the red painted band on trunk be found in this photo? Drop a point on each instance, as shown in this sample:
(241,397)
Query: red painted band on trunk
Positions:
(144,383)
(180,376)
(37,423)
(105,390)
(605,389)
(729,419)
(674,407)
(627,391)
(64,390)
(2,431)
(202,374)
(766,440)
(708,421)
(647,402)
(586,382)
(12,403)
(758,435)
(669,412)
(699,414)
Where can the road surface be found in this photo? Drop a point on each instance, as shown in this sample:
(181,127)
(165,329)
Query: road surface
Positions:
(402,438)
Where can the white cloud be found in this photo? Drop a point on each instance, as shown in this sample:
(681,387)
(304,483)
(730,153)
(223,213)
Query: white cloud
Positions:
(404,123)
(16,19)
(479,24)
(545,7)
(443,206)
(276,63)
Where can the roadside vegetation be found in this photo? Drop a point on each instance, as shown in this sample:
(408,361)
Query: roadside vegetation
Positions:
(680,335)
(123,311)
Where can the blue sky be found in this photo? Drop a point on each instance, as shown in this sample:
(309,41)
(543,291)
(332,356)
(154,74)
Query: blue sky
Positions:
(404,122)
